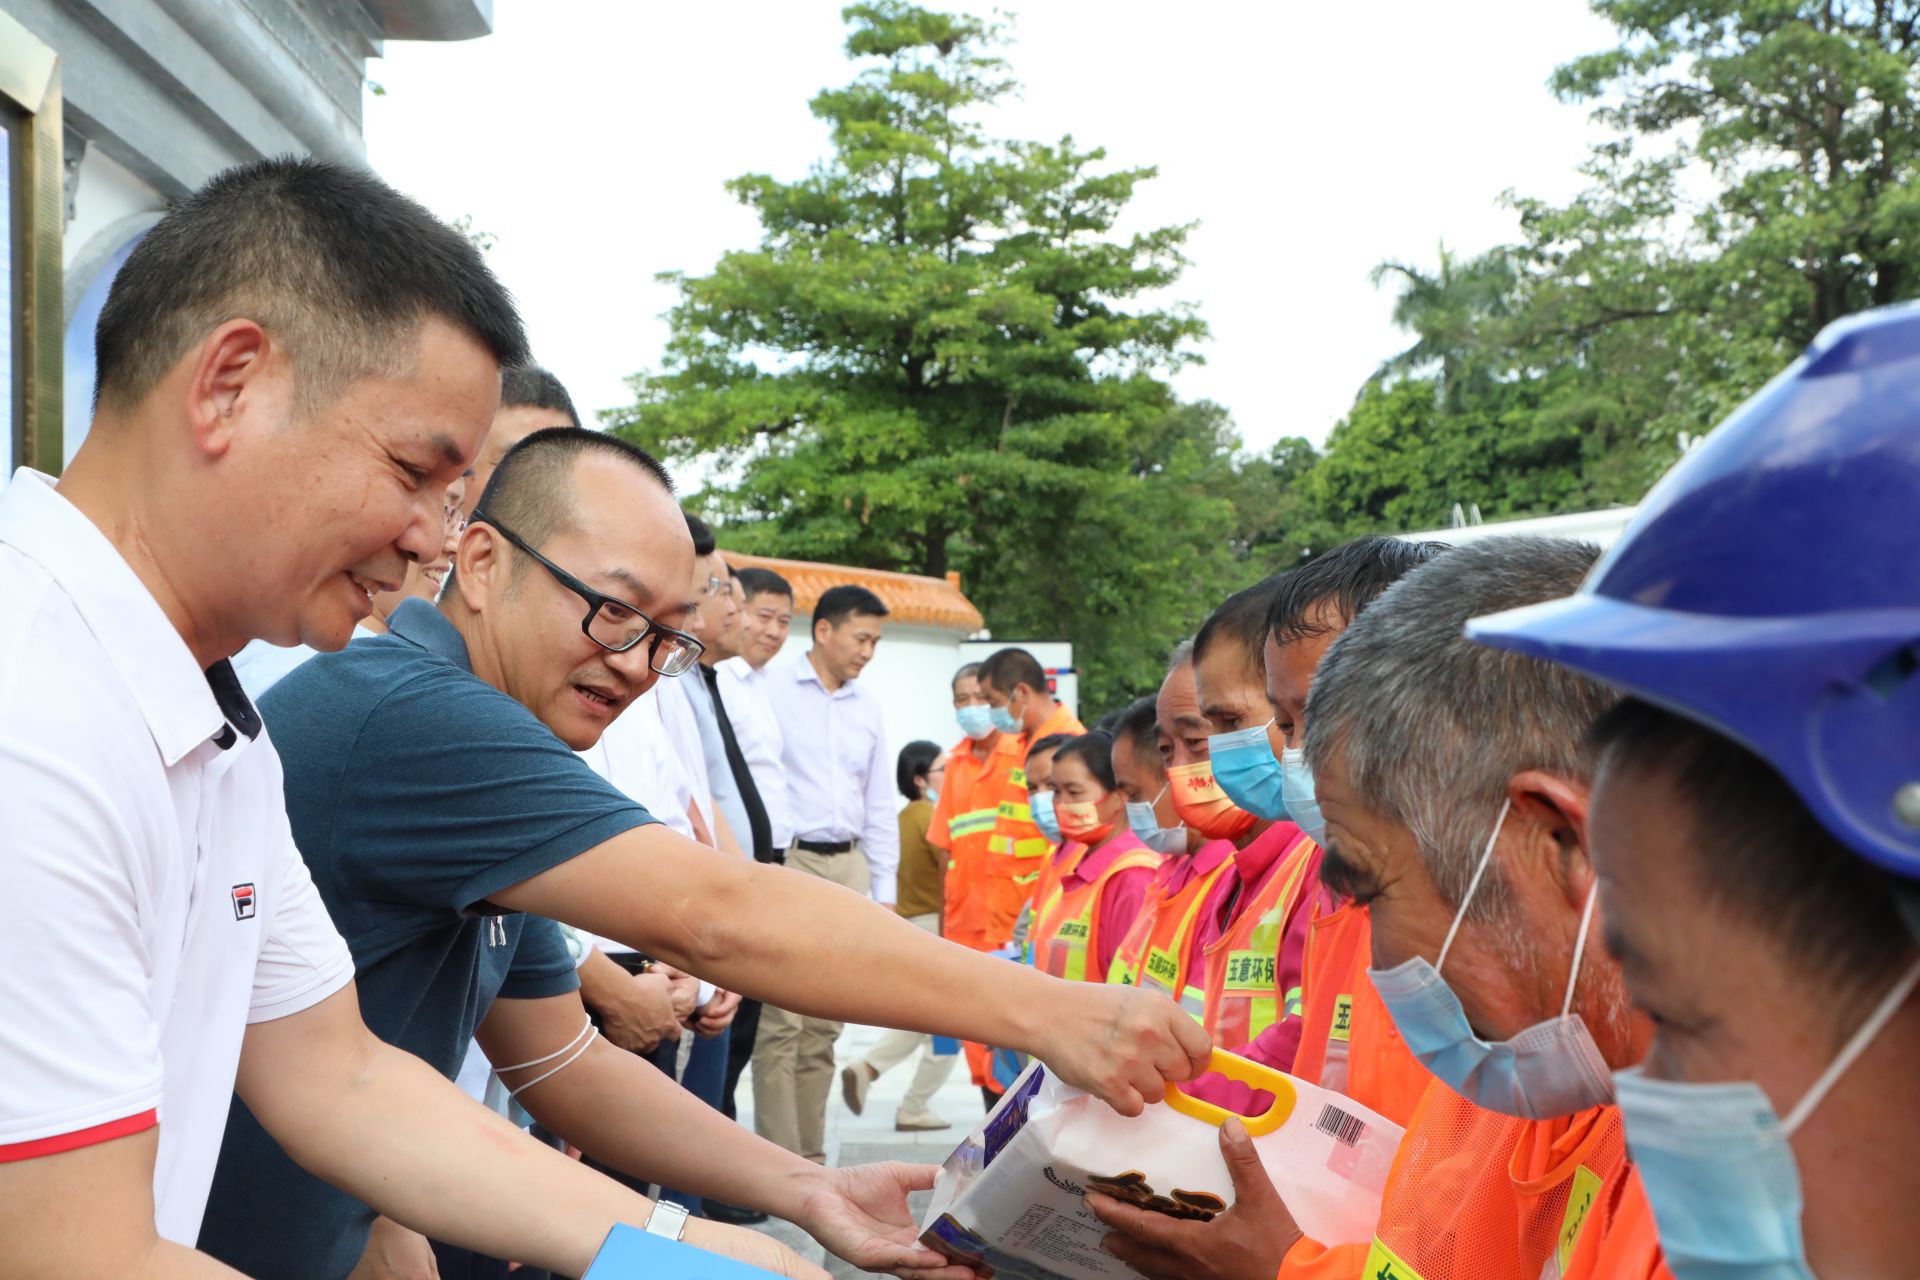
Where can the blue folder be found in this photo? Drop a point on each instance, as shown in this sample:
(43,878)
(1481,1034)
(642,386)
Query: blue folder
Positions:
(632,1254)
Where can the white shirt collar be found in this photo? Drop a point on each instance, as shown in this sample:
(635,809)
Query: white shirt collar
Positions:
(170,690)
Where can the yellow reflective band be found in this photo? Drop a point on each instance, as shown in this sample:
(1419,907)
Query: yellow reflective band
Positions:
(1249,971)
(1384,1264)
(1580,1201)
(1027,879)
(1292,1002)
(1342,1019)
(1163,969)
(966,824)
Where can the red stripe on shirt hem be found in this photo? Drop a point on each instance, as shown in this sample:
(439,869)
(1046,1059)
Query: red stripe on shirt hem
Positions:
(88,1137)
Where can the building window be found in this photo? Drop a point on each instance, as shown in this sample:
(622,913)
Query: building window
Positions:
(32,215)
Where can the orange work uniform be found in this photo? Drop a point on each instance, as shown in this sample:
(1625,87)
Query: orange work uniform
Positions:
(962,824)
(1017,850)
(1348,1041)
(1628,1246)
(1475,1195)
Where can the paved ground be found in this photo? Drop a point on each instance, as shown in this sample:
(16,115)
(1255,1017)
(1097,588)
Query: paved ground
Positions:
(858,1139)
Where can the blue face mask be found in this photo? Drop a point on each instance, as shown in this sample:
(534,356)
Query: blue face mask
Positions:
(1718,1164)
(975,721)
(1003,720)
(1145,825)
(1551,1069)
(1296,790)
(1041,802)
(1245,768)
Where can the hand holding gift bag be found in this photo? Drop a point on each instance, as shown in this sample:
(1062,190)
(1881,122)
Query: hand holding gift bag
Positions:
(1012,1197)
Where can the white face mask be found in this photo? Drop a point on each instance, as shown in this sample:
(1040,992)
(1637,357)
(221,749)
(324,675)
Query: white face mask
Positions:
(1552,1068)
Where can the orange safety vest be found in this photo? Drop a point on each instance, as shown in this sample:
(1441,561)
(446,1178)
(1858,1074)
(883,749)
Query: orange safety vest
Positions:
(1058,868)
(1628,1246)
(1066,928)
(1243,996)
(1475,1195)
(1154,953)
(1016,843)
(1348,1041)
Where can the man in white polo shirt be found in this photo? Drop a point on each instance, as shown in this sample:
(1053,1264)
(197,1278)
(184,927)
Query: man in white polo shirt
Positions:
(293,364)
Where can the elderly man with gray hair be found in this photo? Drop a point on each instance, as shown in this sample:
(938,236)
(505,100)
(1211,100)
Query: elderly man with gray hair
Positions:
(1454,781)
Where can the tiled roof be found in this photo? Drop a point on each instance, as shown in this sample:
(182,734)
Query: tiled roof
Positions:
(911,599)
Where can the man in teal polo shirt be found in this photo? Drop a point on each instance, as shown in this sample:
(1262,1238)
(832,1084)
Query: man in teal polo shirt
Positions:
(434,794)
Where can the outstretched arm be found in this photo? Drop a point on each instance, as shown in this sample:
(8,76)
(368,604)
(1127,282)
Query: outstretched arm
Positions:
(621,1111)
(804,944)
(382,1125)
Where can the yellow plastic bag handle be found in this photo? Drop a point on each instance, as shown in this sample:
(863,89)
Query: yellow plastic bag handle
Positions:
(1234,1067)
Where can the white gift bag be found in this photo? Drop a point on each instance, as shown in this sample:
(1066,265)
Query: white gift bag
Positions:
(1011,1197)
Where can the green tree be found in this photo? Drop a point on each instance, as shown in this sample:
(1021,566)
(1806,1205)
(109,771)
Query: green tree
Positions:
(1758,184)
(938,358)
(1449,311)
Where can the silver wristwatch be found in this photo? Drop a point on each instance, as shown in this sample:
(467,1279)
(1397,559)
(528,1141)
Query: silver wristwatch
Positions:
(668,1219)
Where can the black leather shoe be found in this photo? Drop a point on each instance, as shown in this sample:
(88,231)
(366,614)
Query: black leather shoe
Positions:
(732,1215)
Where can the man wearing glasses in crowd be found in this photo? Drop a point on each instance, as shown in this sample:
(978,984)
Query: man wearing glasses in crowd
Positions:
(431,779)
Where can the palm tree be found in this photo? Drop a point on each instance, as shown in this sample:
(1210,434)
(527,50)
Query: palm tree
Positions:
(1447,312)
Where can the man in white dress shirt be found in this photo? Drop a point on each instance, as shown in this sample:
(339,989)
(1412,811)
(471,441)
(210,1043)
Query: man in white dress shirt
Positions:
(845,829)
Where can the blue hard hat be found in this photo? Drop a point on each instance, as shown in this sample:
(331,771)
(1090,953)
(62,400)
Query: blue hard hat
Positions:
(1769,587)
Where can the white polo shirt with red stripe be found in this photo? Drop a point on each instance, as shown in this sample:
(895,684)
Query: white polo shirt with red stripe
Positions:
(155,902)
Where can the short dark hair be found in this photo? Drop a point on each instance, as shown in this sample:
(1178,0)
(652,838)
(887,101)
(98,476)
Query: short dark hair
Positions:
(338,266)
(1052,742)
(703,539)
(967,671)
(1007,669)
(1762,854)
(1241,619)
(1139,727)
(528,386)
(1095,751)
(837,604)
(531,491)
(915,759)
(1329,591)
(755,581)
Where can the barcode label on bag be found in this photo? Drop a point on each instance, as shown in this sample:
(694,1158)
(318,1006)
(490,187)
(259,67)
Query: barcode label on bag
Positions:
(1344,1129)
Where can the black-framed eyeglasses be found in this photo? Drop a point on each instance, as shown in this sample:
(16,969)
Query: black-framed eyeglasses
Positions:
(612,623)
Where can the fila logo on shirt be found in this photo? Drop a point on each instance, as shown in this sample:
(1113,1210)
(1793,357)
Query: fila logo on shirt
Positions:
(243,901)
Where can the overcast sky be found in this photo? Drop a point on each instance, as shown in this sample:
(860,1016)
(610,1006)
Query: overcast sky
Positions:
(592,138)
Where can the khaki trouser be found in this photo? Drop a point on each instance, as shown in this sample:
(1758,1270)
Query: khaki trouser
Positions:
(793,1056)
(896,1047)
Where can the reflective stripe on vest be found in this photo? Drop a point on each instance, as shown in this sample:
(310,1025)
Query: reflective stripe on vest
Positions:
(974,823)
(1242,967)
(1152,953)
(1067,925)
